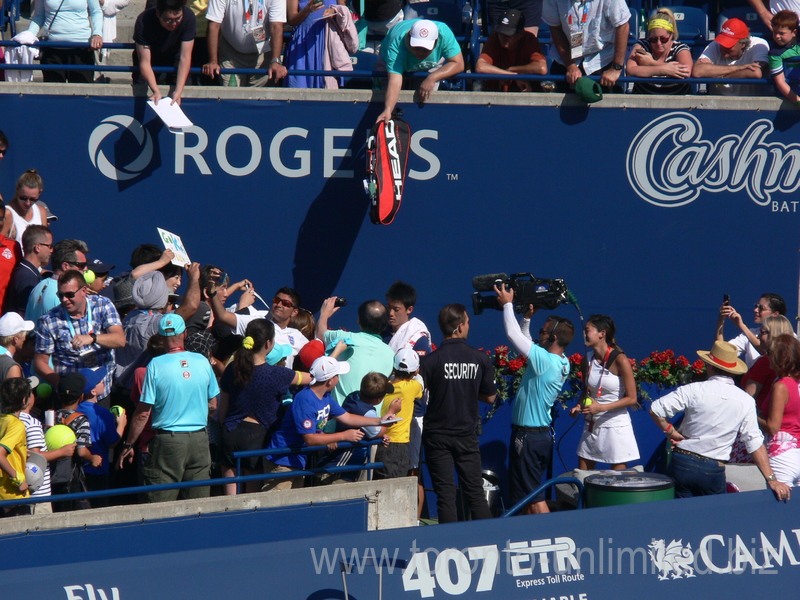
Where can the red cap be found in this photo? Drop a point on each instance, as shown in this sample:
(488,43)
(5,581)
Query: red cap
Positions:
(732,31)
(311,352)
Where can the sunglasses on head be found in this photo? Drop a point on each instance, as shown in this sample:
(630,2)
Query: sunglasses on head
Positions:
(282,302)
(663,39)
(67,295)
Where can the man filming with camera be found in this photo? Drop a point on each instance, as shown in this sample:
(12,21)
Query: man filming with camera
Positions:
(531,445)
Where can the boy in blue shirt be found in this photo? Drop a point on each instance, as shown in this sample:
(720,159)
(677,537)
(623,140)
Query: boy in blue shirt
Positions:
(305,420)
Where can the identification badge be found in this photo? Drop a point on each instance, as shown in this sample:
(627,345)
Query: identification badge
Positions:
(259,35)
(576,44)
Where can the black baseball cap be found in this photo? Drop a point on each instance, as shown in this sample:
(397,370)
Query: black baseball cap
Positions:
(510,23)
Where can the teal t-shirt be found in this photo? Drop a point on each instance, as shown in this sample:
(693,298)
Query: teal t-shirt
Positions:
(398,57)
(370,353)
(179,386)
(540,387)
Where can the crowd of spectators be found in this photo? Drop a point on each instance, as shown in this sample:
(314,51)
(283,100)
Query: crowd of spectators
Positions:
(279,39)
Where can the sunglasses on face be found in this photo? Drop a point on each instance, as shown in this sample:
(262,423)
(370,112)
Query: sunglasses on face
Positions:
(663,39)
(286,303)
(80,265)
(760,308)
(67,295)
(27,199)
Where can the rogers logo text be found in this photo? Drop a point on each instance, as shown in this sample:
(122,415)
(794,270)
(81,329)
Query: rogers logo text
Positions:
(669,163)
(290,152)
(106,128)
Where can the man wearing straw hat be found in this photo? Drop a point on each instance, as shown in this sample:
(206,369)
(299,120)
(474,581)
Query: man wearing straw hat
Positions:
(715,412)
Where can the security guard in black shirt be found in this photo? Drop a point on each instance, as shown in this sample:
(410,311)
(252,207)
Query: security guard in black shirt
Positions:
(457,376)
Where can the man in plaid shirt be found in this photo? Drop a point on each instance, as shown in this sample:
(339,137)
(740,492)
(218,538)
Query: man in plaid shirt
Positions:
(82,332)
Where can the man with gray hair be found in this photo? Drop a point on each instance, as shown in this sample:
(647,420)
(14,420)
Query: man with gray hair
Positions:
(151,297)
(37,246)
(67,255)
(735,54)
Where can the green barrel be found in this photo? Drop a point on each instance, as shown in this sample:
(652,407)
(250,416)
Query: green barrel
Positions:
(611,488)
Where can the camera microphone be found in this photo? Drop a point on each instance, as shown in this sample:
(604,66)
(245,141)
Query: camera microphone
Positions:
(486,283)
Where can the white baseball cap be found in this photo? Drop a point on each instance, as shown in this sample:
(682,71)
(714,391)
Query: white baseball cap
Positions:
(406,360)
(325,368)
(12,324)
(424,34)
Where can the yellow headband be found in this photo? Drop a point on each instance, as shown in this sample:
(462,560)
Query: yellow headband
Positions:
(660,24)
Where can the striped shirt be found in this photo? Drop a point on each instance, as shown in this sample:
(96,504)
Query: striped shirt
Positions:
(35,435)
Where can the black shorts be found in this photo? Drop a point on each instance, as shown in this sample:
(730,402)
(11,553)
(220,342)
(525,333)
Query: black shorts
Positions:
(529,457)
(530,9)
(246,436)
(395,460)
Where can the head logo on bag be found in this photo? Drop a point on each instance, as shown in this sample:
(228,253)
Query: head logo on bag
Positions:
(387,163)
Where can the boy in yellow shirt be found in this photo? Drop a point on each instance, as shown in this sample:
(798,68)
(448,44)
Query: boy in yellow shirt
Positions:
(395,455)
(15,393)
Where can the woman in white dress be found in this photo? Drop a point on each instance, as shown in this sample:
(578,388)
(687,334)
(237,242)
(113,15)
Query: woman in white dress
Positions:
(610,390)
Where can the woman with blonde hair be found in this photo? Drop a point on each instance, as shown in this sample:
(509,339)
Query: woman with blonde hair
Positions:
(661,56)
(23,209)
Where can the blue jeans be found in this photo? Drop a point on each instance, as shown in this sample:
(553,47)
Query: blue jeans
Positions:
(696,476)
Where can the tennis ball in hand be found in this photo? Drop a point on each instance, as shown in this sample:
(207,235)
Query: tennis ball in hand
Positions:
(587,401)
(89,277)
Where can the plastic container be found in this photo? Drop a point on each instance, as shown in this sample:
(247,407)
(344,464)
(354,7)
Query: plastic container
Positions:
(612,488)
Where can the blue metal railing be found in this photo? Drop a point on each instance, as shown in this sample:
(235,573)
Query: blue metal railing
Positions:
(546,485)
(218,481)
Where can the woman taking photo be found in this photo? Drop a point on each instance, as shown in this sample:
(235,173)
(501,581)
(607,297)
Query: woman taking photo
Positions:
(781,421)
(660,55)
(610,390)
(251,394)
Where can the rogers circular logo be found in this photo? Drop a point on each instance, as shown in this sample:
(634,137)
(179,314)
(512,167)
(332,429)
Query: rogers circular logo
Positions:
(110,126)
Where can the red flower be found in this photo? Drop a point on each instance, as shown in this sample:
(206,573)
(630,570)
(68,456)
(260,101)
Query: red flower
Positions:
(665,373)
(515,364)
(698,366)
(683,361)
(501,361)
(576,358)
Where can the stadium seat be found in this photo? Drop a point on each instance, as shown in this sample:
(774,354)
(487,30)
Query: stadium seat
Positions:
(446,12)
(749,16)
(362,61)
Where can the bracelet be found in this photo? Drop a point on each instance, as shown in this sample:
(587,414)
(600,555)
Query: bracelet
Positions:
(19,479)
(669,429)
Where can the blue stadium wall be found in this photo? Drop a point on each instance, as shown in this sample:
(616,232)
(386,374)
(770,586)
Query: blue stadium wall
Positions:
(649,214)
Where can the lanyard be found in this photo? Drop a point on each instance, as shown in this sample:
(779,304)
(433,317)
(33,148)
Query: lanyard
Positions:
(88,319)
(585,5)
(249,12)
(602,372)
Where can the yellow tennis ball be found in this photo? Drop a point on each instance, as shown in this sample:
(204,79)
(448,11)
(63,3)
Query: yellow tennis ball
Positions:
(587,401)
(89,277)
(59,436)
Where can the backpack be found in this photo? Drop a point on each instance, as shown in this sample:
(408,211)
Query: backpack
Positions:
(68,468)
(387,164)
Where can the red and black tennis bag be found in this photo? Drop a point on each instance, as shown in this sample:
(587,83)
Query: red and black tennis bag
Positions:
(387,164)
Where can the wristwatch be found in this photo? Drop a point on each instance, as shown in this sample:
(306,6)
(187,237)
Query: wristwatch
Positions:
(94,337)
(276,60)
(616,66)
(126,446)
(772,477)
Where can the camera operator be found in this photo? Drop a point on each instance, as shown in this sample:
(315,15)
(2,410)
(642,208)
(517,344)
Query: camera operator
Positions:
(531,446)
